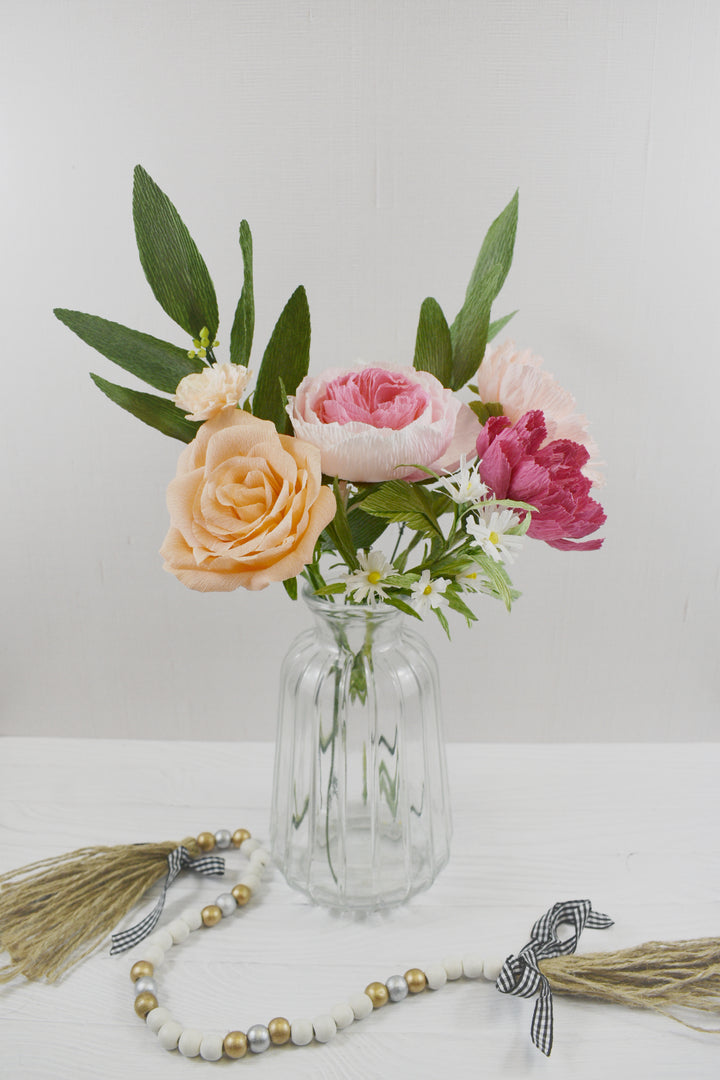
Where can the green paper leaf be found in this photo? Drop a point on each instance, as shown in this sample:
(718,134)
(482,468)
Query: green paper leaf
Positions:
(291,587)
(243,328)
(442,619)
(365,528)
(454,601)
(470,330)
(331,589)
(339,531)
(174,267)
(156,362)
(156,411)
(497,325)
(398,500)
(485,409)
(286,357)
(395,602)
(433,346)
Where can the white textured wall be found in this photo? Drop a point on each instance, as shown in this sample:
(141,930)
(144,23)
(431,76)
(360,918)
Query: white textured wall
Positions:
(369,144)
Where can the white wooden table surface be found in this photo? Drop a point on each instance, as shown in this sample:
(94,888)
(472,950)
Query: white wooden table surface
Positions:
(632,828)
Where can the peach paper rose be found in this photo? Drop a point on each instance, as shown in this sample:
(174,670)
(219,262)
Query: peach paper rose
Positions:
(368,422)
(246,507)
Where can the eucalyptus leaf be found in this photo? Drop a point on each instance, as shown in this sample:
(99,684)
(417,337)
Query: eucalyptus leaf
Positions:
(174,267)
(243,328)
(286,357)
(156,362)
(158,412)
(433,346)
(470,330)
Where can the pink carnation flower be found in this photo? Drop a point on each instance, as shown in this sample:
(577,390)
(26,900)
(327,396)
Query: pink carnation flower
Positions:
(368,422)
(517,380)
(517,462)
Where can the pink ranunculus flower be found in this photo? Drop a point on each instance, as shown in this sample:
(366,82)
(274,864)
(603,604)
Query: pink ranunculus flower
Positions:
(518,381)
(370,421)
(518,463)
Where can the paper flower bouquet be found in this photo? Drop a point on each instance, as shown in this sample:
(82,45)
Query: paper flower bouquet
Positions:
(379,485)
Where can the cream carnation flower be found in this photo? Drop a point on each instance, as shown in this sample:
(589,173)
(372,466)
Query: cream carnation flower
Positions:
(206,393)
(517,380)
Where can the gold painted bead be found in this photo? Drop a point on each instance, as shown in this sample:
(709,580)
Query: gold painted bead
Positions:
(206,841)
(416,980)
(279,1029)
(242,894)
(239,837)
(145,1003)
(235,1044)
(378,994)
(211,915)
(143,969)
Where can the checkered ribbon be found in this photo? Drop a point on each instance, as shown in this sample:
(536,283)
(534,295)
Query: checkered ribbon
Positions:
(178,859)
(521,975)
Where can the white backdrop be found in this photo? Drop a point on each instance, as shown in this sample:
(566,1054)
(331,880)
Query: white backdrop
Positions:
(369,144)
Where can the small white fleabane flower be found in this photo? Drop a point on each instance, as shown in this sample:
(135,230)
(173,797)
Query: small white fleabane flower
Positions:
(471,580)
(491,533)
(465,485)
(366,583)
(426,593)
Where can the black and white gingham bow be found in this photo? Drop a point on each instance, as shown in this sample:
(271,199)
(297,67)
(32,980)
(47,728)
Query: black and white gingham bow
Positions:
(178,859)
(521,975)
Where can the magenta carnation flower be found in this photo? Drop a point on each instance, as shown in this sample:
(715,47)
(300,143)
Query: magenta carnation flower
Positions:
(515,465)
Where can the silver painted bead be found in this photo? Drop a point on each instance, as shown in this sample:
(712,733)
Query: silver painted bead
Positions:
(227,903)
(258,1038)
(145,985)
(397,987)
(223,838)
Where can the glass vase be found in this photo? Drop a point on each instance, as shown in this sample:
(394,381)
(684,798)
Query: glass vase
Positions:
(360,810)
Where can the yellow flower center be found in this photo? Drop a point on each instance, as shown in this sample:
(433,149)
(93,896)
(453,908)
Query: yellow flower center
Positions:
(374,576)
(472,575)
(494,538)
(427,590)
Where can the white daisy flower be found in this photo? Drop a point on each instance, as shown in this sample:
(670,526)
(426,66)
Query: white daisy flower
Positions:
(471,580)
(427,594)
(365,583)
(491,533)
(465,485)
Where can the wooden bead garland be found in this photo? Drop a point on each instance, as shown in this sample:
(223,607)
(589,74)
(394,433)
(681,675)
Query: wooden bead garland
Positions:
(278,1031)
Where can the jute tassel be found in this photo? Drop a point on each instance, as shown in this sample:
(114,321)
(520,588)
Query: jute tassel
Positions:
(56,911)
(659,975)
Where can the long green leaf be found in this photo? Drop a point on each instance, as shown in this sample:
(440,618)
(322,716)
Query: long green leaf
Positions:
(365,528)
(156,362)
(286,358)
(243,328)
(156,411)
(174,267)
(499,324)
(433,346)
(339,530)
(470,330)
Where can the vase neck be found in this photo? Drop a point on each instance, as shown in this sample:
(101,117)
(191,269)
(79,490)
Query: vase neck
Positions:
(355,627)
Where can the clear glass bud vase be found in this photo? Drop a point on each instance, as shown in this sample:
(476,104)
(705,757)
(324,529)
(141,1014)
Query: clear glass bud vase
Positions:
(360,813)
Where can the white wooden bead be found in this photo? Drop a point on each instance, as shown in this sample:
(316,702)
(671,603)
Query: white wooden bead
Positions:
(301,1031)
(178,930)
(157,1017)
(492,968)
(453,966)
(169,1034)
(324,1028)
(162,939)
(436,976)
(472,966)
(361,1005)
(192,917)
(259,858)
(189,1042)
(252,881)
(211,1047)
(154,955)
(343,1015)
(248,846)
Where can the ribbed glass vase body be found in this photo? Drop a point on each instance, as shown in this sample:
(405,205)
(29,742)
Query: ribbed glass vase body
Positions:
(360,813)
